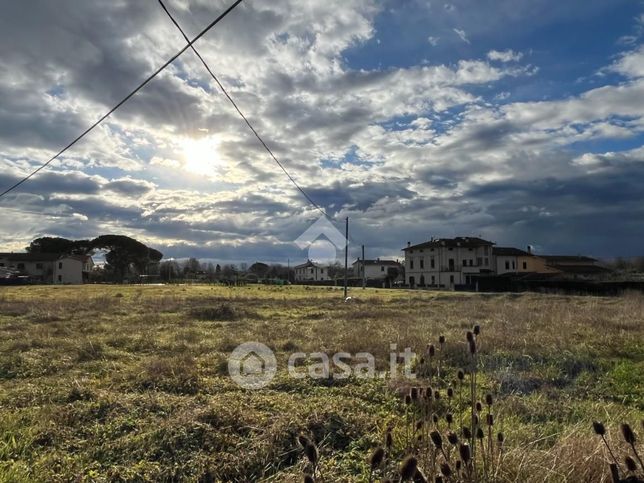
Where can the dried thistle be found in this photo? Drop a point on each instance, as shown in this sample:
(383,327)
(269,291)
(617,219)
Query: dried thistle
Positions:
(488,399)
(452,437)
(476,329)
(408,468)
(460,374)
(465,453)
(627,433)
(377,458)
(446,470)
(436,439)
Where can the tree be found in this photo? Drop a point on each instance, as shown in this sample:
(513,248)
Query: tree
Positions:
(260,269)
(61,246)
(125,252)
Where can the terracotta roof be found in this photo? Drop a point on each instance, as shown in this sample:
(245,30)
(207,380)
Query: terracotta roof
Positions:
(568,259)
(308,263)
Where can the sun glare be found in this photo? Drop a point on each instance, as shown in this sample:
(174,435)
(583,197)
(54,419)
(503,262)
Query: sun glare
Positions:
(201,156)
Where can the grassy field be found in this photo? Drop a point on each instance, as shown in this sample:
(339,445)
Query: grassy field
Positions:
(113,383)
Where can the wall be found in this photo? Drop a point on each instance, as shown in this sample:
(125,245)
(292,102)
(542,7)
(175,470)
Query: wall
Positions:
(68,271)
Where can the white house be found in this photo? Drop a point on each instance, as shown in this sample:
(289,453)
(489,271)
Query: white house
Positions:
(446,262)
(377,269)
(48,267)
(311,272)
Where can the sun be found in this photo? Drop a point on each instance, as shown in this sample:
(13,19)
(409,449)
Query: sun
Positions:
(201,156)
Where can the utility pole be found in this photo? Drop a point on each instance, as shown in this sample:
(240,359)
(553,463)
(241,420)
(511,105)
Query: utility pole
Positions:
(346,257)
(364,275)
(288,270)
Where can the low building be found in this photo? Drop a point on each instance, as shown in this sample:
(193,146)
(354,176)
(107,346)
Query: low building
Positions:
(576,267)
(446,262)
(311,272)
(48,267)
(377,269)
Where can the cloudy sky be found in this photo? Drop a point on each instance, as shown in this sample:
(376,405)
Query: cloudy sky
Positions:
(521,121)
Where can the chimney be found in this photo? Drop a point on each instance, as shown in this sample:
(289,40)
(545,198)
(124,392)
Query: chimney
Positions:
(530,249)
(408,244)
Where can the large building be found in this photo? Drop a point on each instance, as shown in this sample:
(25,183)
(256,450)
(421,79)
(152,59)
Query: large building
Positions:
(47,267)
(446,262)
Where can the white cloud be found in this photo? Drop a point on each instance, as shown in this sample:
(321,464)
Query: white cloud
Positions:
(504,56)
(462,35)
(433,41)
(630,64)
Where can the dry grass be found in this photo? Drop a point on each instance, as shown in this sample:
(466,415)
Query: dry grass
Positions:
(106,383)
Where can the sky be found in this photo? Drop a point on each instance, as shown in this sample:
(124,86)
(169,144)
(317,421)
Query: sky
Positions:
(520,121)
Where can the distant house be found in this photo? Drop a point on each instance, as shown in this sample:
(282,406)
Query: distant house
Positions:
(446,262)
(311,272)
(48,267)
(377,269)
(576,267)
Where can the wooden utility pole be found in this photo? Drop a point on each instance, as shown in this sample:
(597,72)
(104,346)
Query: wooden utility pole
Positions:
(364,273)
(346,257)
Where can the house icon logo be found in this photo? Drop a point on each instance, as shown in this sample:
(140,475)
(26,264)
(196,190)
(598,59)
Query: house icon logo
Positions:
(252,365)
(323,240)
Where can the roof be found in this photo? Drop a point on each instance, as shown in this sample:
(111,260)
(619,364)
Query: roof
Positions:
(459,241)
(31,257)
(567,259)
(42,257)
(377,262)
(510,252)
(308,263)
(582,269)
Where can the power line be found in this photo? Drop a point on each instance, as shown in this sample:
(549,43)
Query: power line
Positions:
(259,138)
(125,99)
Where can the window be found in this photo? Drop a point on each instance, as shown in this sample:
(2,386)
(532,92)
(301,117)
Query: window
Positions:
(514,265)
(432,263)
(411,264)
(321,271)
(470,249)
(471,262)
(422,263)
(433,280)
(39,266)
(485,249)
(311,270)
(487,262)
(21,266)
(451,264)
(431,249)
(465,263)
(60,278)
(525,265)
(507,265)
(1,264)
(450,249)
(382,268)
(60,264)
(451,279)
(479,261)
